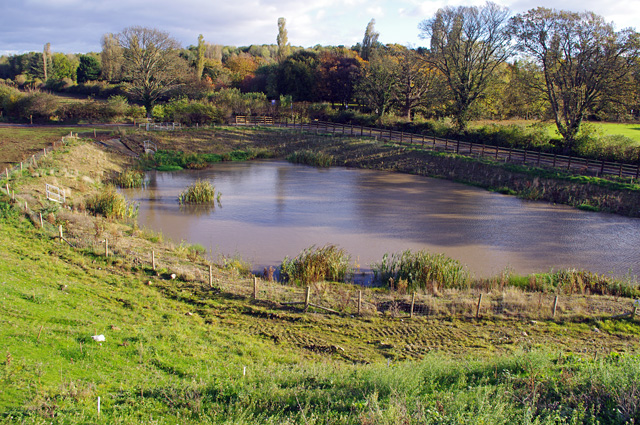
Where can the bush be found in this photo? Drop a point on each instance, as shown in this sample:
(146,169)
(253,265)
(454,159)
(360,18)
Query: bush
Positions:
(111,204)
(422,270)
(317,264)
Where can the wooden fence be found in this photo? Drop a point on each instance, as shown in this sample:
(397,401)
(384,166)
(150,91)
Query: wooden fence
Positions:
(512,155)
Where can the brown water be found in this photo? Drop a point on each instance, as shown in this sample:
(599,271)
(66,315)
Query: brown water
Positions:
(271,210)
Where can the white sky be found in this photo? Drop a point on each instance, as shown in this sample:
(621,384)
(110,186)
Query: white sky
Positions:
(77,26)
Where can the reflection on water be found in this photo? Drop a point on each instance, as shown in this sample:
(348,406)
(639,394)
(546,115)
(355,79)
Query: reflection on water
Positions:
(270,210)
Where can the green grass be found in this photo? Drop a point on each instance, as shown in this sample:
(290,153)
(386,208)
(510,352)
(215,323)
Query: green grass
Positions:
(308,157)
(111,204)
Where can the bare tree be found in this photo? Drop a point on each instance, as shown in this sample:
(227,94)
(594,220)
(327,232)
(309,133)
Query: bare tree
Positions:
(467,45)
(582,58)
(151,64)
(111,58)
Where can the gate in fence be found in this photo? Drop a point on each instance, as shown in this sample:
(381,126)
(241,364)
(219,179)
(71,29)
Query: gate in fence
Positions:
(55,194)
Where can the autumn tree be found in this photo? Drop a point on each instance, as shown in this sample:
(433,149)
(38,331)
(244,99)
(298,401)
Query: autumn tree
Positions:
(111,58)
(415,79)
(337,73)
(581,57)
(283,40)
(467,45)
(151,64)
(297,76)
(377,86)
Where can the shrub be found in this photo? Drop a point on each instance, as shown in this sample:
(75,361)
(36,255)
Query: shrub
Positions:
(201,192)
(317,264)
(422,270)
(111,204)
(571,281)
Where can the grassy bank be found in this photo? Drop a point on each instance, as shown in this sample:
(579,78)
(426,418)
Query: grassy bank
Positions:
(180,350)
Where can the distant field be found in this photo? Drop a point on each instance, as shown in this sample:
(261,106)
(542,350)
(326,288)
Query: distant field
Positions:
(631,131)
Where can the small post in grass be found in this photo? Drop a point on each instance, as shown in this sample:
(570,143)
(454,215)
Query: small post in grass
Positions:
(307,298)
(60,232)
(210,276)
(359,301)
(153,260)
(413,303)
(106,247)
(555,305)
(98,406)
(41,222)
(6,170)
(478,307)
(255,287)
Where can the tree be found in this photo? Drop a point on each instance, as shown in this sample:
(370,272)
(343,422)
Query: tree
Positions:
(337,73)
(62,67)
(415,78)
(152,66)
(201,49)
(581,58)
(467,45)
(111,58)
(376,87)
(283,40)
(46,59)
(370,41)
(88,69)
(297,76)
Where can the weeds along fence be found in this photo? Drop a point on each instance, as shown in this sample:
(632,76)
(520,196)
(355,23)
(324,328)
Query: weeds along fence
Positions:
(479,150)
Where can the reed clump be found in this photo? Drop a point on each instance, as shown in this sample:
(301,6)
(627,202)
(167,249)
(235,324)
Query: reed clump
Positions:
(314,264)
(111,204)
(129,179)
(307,157)
(572,281)
(421,270)
(200,192)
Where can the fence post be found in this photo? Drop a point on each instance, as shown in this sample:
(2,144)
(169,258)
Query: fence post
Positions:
(554,159)
(569,163)
(539,154)
(41,222)
(458,146)
(60,232)
(510,150)
(638,172)
(555,305)
(359,301)
(307,298)
(210,276)
(106,247)
(413,303)
(497,150)
(524,160)
(153,260)
(446,144)
(620,170)
(478,307)
(255,287)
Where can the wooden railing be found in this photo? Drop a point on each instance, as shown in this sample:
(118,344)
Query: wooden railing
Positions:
(512,155)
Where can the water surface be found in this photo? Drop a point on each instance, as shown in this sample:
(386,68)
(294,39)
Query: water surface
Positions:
(273,209)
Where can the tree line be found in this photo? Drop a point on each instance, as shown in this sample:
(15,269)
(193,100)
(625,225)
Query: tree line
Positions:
(480,62)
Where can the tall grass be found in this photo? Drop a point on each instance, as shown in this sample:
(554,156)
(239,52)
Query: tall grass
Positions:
(307,157)
(317,264)
(572,281)
(201,192)
(421,270)
(129,179)
(111,204)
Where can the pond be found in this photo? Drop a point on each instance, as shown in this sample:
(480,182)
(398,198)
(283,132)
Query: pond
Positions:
(273,209)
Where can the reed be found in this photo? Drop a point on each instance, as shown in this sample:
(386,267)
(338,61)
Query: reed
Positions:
(317,264)
(111,204)
(307,157)
(200,192)
(129,179)
(421,270)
